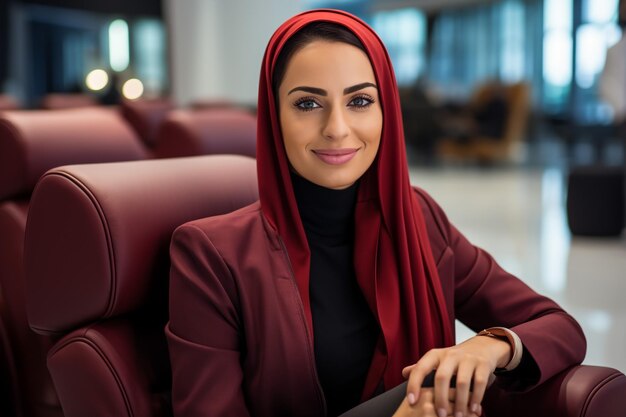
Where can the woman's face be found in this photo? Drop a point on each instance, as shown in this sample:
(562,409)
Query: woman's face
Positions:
(330,114)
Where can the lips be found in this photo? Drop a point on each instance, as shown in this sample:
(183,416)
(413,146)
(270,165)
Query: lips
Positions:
(335,156)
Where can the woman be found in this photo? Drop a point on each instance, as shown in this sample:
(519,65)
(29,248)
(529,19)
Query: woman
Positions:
(343,280)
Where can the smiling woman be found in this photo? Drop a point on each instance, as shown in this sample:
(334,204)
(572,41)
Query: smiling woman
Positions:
(330,117)
(343,280)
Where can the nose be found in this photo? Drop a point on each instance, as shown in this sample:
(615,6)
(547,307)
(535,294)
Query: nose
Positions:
(337,125)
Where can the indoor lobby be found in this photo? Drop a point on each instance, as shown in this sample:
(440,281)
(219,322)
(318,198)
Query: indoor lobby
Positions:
(120,121)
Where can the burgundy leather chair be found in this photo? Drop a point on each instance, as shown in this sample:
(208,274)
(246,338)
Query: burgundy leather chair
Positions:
(31,142)
(58,101)
(581,391)
(146,116)
(8,103)
(97,270)
(215,103)
(207,131)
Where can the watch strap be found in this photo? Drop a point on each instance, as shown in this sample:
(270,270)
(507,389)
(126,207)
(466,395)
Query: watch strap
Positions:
(514,341)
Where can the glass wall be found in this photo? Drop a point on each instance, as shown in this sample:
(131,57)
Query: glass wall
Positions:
(557,53)
(492,41)
(404,33)
(598,31)
(55,50)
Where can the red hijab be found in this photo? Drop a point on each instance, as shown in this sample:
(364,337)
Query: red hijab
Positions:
(392,257)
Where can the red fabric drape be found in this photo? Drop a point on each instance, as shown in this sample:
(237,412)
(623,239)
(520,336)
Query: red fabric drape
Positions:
(392,256)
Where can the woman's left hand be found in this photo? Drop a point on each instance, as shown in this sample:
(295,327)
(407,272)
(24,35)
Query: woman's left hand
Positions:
(472,361)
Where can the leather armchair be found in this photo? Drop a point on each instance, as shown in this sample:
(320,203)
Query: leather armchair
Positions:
(207,132)
(8,103)
(31,142)
(581,391)
(97,269)
(146,116)
(59,101)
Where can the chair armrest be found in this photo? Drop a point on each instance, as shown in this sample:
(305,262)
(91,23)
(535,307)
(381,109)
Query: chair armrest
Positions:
(580,391)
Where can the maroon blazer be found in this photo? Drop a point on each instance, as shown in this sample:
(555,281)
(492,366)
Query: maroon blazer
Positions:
(237,335)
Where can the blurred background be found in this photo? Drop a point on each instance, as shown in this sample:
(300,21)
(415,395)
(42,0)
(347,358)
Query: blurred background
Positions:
(513,111)
(514,72)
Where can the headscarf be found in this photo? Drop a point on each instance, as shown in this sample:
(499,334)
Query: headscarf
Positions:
(392,257)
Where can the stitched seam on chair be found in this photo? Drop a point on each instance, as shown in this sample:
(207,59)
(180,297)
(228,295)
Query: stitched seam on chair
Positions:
(594,391)
(107,233)
(107,362)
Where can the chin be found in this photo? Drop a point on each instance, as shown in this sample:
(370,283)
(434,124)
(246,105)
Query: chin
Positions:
(335,184)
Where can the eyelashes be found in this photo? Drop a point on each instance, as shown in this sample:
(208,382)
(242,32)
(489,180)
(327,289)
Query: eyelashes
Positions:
(359,102)
(364,100)
(306,104)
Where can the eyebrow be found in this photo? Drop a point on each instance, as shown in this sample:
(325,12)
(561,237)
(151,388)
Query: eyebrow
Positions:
(322,92)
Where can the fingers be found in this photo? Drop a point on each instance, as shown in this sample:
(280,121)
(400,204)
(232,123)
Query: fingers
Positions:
(447,368)
(407,371)
(425,407)
(470,373)
(482,376)
(464,376)
(472,362)
(423,367)
(422,408)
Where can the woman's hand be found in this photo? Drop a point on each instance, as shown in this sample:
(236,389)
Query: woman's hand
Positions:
(425,407)
(473,363)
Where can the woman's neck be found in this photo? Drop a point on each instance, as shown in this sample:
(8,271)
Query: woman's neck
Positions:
(326,213)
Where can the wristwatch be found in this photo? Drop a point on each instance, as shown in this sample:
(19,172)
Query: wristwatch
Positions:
(512,339)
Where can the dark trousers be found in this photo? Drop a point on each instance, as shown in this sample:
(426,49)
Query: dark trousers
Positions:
(383,405)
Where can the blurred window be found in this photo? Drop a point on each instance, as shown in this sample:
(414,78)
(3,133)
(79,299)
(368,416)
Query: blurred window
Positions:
(149,54)
(513,45)
(118,45)
(404,33)
(497,40)
(557,52)
(598,32)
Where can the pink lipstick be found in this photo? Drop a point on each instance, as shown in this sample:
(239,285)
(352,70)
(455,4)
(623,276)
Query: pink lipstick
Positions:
(335,156)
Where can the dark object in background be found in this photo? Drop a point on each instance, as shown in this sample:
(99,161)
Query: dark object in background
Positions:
(490,117)
(492,126)
(421,120)
(595,201)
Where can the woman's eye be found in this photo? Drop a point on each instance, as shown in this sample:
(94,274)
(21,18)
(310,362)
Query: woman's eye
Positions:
(306,105)
(361,102)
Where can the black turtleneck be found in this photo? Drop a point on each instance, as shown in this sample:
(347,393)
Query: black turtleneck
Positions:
(345,330)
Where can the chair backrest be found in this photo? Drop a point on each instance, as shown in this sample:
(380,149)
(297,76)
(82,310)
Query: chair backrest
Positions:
(31,142)
(58,101)
(97,268)
(146,116)
(206,132)
(8,103)
(517,99)
(518,96)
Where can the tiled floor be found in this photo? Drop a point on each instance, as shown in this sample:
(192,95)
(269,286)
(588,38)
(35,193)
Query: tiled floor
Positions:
(517,214)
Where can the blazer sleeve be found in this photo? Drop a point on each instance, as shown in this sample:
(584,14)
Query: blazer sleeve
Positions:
(485,295)
(203,331)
